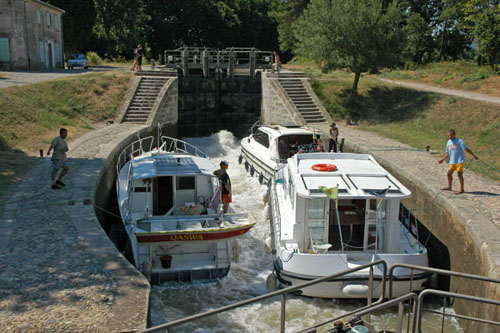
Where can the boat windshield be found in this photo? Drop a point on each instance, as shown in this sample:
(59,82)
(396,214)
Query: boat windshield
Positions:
(289,145)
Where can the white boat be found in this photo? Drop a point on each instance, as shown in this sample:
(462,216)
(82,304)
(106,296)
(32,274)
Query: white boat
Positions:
(176,231)
(312,236)
(269,146)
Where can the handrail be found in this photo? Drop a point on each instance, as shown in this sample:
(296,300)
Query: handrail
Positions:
(439,271)
(454,295)
(281,293)
(136,148)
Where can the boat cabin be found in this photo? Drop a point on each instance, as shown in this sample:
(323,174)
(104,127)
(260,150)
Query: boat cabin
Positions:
(365,216)
(168,186)
(284,141)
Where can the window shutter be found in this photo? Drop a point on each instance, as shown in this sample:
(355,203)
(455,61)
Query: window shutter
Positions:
(4,49)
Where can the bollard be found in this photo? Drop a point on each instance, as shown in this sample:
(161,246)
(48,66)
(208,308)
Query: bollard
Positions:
(347,120)
(41,152)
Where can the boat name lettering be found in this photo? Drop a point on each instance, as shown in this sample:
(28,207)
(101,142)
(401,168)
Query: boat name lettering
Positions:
(186,237)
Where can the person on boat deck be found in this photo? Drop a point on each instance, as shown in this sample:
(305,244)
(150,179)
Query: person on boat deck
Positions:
(334,135)
(319,146)
(58,159)
(225,183)
(455,148)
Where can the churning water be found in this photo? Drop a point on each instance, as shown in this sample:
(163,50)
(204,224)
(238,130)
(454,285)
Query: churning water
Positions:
(247,277)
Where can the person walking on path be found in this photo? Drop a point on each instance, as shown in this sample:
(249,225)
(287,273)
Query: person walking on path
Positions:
(334,134)
(225,184)
(58,159)
(455,149)
(138,58)
(277,64)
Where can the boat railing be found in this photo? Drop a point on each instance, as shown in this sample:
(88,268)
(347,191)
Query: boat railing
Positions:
(147,144)
(208,221)
(282,293)
(174,145)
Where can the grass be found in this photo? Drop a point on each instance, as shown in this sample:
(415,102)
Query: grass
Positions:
(463,75)
(32,115)
(416,118)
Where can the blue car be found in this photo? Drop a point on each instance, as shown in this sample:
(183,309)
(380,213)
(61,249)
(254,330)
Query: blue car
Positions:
(78,60)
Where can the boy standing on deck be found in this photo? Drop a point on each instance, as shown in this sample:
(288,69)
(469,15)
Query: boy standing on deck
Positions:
(225,184)
(455,148)
(59,159)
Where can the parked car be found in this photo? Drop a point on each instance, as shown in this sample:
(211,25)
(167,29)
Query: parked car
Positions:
(78,60)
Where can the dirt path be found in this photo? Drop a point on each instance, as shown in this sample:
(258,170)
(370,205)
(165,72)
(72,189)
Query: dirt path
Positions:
(445,91)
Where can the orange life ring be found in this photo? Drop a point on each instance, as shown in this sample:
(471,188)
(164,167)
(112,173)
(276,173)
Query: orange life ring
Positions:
(324,167)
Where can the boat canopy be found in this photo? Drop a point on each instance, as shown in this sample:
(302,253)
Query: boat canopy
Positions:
(356,175)
(157,165)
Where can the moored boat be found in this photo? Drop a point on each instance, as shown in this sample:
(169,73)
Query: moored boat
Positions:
(331,212)
(169,204)
(269,146)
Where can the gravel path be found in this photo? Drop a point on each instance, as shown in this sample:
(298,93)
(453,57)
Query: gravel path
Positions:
(21,78)
(446,91)
(60,272)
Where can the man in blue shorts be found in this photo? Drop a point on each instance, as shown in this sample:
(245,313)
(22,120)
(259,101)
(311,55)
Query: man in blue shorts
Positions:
(58,159)
(455,149)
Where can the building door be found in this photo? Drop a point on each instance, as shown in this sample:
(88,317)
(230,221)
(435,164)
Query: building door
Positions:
(50,60)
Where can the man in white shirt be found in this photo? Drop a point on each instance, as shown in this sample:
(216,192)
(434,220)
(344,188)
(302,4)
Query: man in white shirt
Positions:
(58,159)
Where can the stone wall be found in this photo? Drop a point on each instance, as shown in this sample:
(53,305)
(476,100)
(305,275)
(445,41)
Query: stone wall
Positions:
(276,107)
(166,105)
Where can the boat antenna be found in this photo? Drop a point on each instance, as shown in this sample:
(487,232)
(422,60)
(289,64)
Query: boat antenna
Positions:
(338,220)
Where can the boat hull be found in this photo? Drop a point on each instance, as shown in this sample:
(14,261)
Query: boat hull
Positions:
(195,236)
(259,167)
(349,288)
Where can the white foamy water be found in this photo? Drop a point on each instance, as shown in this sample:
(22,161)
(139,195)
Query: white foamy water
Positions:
(247,277)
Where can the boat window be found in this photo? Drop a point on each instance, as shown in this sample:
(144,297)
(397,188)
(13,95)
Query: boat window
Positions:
(186,183)
(316,209)
(261,138)
(289,145)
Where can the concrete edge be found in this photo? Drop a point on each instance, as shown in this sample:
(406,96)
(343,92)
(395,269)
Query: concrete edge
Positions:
(317,101)
(153,115)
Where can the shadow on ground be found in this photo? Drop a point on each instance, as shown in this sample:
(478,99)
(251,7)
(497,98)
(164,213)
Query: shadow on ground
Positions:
(384,104)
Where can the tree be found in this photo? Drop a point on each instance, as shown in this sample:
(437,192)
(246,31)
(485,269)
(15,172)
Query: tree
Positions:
(287,14)
(77,23)
(483,17)
(210,23)
(359,35)
(119,26)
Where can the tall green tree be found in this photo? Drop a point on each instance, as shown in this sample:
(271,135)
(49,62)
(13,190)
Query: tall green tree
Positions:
(77,23)
(287,13)
(483,17)
(119,27)
(210,23)
(359,35)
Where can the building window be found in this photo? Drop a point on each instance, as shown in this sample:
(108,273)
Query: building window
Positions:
(56,21)
(42,52)
(38,17)
(49,19)
(4,49)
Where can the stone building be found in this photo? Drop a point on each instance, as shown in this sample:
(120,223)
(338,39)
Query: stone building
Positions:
(31,35)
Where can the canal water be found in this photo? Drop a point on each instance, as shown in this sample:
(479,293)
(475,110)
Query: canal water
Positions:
(247,277)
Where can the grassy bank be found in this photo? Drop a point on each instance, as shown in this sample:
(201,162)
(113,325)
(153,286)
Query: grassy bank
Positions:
(416,118)
(32,115)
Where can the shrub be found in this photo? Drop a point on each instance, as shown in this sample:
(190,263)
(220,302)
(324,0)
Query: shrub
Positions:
(93,58)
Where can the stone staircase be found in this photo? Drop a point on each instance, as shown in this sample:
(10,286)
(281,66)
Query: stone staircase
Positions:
(144,98)
(300,97)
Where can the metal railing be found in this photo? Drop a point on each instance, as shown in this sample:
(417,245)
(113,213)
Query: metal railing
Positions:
(208,59)
(146,145)
(415,314)
(282,293)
